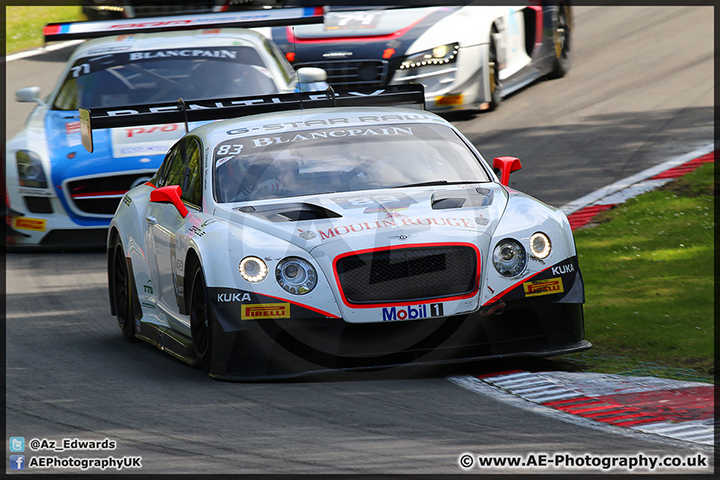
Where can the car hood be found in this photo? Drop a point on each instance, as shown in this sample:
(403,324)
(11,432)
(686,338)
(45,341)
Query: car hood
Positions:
(344,222)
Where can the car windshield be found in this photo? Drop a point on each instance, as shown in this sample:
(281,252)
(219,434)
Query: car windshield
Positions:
(157,76)
(342,159)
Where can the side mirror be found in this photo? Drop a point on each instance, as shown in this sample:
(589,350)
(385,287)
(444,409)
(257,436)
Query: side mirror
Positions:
(311,79)
(170,194)
(504,166)
(28,94)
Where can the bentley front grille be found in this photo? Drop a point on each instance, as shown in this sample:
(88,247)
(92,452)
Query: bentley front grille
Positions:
(401,275)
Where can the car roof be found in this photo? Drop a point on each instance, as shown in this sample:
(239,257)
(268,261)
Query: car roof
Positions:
(311,119)
(177,39)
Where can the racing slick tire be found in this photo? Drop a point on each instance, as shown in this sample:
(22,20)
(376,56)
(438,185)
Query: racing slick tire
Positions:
(561,39)
(493,73)
(122,292)
(200,320)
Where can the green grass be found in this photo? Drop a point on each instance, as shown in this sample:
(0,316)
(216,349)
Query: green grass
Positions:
(24,25)
(648,268)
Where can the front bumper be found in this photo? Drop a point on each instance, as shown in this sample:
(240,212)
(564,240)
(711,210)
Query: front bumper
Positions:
(462,87)
(285,348)
(49,227)
(37,234)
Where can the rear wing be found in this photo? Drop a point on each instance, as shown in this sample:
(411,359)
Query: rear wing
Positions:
(58,32)
(412,95)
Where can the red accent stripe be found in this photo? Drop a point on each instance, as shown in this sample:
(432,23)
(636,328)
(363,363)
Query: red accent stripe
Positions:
(51,29)
(606,415)
(680,404)
(526,279)
(636,422)
(97,194)
(629,409)
(686,167)
(622,417)
(327,314)
(374,38)
(585,409)
(584,216)
(535,5)
(417,302)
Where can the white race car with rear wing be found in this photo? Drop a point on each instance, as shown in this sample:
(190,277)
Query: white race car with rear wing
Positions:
(467,57)
(58,195)
(319,232)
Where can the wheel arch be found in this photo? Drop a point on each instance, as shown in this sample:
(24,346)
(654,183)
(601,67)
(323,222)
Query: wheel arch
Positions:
(113,236)
(192,261)
(489,95)
(115,240)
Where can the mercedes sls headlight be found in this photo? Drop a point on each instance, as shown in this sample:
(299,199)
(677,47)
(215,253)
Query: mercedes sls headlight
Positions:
(509,258)
(253,269)
(540,245)
(30,170)
(441,55)
(296,275)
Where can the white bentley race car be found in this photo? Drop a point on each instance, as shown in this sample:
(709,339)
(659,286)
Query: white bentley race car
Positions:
(317,232)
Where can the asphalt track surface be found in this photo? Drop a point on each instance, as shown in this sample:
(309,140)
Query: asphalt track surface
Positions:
(640,92)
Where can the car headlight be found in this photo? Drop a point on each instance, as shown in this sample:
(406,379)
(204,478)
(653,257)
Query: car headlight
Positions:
(30,170)
(509,257)
(540,245)
(253,269)
(441,55)
(296,275)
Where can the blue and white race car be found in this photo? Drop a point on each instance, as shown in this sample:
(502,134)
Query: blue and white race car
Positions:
(59,195)
(467,57)
(321,232)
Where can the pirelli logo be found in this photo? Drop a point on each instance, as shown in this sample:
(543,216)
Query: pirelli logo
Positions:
(265,310)
(25,223)
(448,100)
(543,287)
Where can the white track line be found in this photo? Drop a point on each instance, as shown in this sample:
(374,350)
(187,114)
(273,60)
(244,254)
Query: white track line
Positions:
(477,385)
(41,50)
(604,192)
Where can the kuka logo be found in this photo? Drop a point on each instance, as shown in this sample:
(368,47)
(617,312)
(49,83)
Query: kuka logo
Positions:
(233,297)
(265,310)
(563,269)
(543,287)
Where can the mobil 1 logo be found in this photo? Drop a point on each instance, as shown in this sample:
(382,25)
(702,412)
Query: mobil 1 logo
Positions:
(430,310)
